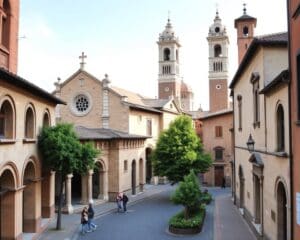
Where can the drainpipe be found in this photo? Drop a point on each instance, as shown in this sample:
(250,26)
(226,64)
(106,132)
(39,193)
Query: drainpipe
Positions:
(266,131)
(233,148)
(290,127)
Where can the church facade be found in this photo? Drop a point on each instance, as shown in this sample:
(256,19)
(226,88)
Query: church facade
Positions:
(123,125)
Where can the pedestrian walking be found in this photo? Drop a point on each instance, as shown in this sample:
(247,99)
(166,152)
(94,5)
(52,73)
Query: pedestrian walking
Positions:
(84,220)
(125,200)
(119,201)
(223,182)
(92,226)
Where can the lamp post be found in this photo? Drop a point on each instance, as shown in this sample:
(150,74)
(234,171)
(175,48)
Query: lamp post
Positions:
(250,144)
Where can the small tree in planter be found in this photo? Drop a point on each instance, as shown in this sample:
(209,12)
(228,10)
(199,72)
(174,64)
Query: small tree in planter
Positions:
(188,194)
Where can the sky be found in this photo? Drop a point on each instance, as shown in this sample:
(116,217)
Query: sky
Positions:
(119,38)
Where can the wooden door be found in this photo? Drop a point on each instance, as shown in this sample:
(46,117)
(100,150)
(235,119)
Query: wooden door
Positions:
(219,175)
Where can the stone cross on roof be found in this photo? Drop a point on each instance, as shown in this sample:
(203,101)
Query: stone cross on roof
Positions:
(82,57)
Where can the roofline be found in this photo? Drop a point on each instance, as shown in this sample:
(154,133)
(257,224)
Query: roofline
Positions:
(246,19)
(22,83)
(251,52)
(78,72)
(216,114)
(113,138)
(281,78)
(136,106)
(98,81)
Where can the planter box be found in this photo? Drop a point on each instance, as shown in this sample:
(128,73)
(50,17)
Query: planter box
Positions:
(186,231)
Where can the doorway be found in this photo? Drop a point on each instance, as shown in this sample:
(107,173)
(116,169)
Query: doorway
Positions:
(219,175)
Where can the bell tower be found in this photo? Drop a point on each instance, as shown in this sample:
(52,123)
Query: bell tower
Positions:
(9,27)
(245,32)
(218,65)
(169,81)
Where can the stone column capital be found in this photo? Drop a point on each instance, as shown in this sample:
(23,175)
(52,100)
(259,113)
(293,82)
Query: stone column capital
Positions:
(69,176)
(90,172)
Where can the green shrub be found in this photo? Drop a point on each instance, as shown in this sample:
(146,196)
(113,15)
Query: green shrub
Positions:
(188,194)
(206,198)
(194,221)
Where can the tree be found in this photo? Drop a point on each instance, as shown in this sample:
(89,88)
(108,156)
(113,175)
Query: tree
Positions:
(178,151)
(61,151)
(188,194)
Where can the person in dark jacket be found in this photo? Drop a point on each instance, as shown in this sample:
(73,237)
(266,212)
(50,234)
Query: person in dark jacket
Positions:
(92,226)
(125,200)
(223,183)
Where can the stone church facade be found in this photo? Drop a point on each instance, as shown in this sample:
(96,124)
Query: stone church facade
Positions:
(123,125)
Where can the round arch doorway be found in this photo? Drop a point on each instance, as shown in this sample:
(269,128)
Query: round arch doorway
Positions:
(148,165)
(7,204)
(98,181)
(281,212)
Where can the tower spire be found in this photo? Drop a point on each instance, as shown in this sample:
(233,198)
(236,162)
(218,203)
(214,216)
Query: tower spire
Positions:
(245,9)
(168,76)
(218,64)
(217,10)
(245,26)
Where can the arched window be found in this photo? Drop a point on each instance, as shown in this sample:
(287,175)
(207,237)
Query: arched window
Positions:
(4,14)
(6,120)
(46,119)
(29,123)
(218,50)
(177,55)
(239,100)
(256,101)
(280,128)
(245,31)
(167,53)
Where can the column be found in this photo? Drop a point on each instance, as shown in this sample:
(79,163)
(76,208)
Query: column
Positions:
(105,185)
(48,195)
(90,186)
(68,208)
(31,204)
(261,210)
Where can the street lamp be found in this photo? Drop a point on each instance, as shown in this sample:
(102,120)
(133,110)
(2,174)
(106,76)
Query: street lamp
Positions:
(250,144)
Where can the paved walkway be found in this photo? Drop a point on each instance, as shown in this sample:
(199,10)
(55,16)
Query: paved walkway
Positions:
(228,222)
(223,221)
(71,223)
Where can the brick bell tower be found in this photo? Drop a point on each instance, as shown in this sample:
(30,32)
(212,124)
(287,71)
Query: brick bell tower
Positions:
(245,32)
(9,28)
(218,65)
(169,81)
